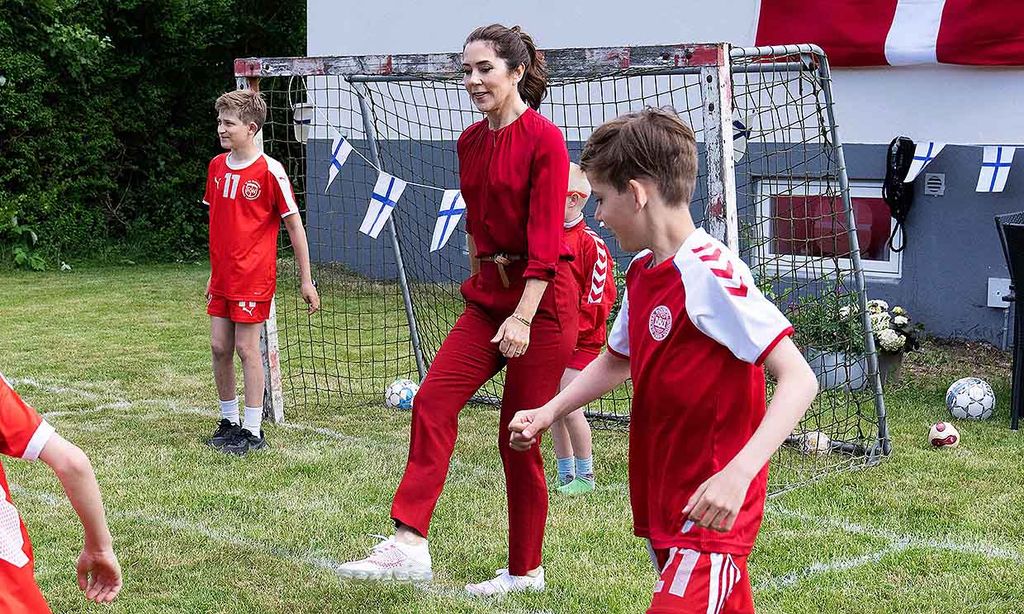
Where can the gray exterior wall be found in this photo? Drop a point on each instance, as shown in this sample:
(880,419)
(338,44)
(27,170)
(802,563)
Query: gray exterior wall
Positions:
(952,245)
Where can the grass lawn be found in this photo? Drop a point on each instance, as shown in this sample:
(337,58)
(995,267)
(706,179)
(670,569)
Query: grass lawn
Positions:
(118,360)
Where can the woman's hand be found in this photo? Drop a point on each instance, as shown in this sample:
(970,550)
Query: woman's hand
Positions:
(513,337)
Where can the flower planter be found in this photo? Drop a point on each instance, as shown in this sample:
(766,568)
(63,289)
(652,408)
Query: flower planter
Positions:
(889,367)
(837,369)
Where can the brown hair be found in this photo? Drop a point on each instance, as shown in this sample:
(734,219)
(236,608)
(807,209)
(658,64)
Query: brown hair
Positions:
(653,143)
(247,104)
(516,47)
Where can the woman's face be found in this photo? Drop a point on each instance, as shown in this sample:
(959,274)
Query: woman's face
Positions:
(491,85)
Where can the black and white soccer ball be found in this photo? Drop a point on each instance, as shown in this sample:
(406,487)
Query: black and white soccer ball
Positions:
(971,398)
(400,393)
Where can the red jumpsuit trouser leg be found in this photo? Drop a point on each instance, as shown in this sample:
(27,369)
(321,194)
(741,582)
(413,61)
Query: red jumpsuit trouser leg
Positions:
(467,359)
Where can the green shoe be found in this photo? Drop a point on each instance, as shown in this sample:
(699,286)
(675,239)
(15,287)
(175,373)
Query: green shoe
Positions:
(579,486)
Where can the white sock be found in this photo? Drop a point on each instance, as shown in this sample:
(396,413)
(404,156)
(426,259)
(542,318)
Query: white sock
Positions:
(253,420)
(229,410)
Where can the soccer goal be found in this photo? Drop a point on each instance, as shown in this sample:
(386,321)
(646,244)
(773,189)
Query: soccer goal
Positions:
(772,185)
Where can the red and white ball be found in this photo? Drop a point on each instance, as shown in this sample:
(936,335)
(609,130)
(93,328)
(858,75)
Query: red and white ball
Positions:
(943,435)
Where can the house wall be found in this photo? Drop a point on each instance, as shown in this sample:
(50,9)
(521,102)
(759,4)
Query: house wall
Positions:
(952,246)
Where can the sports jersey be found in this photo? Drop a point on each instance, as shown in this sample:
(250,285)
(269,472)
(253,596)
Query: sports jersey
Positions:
(696,330)
(23,433)
(593,268)
(246,205)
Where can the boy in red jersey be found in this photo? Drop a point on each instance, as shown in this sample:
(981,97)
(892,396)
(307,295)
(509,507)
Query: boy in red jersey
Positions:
(594,272)
(248,193)
(24,434)
(692,322)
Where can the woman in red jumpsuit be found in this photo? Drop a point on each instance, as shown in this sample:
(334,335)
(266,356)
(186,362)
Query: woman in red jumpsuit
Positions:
(521,312)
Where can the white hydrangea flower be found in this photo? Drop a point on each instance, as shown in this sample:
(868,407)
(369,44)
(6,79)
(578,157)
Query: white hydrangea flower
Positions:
(891,341)
(899,311)
(877,306)
(880,322)
(844,312)
(901,320)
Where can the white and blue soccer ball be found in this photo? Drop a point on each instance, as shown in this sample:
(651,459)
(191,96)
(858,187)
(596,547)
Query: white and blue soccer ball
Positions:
(971,398)
(400,394)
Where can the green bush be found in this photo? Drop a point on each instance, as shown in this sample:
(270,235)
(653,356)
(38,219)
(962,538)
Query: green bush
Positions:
(106,116)
(827,321)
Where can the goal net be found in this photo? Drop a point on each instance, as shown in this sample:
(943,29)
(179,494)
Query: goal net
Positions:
(772,184)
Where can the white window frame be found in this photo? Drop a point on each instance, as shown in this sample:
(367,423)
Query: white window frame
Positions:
(812,266)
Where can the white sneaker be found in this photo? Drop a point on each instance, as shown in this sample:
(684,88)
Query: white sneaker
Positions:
(504,583)
(391,560)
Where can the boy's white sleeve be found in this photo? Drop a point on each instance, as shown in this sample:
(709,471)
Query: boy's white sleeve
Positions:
(23,432)
(725,304)
(282,187)
(618,338)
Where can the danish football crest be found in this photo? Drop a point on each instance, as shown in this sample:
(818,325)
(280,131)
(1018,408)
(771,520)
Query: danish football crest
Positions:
(660,322)
(251,189)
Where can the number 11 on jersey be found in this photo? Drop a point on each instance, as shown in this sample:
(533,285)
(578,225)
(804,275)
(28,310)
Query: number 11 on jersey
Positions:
(230,184)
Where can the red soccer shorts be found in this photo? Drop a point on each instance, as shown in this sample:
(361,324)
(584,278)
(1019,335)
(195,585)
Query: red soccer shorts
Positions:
(240,312)
(582,357)
(694,582)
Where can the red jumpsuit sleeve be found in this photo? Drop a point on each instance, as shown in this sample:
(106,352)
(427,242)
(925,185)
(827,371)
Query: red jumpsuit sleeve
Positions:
(549,181)
(460,152)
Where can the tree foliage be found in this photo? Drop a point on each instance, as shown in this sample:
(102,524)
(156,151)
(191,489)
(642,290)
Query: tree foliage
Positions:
(106,115)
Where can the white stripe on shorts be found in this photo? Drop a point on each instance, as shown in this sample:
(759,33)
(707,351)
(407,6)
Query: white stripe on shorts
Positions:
(714,584)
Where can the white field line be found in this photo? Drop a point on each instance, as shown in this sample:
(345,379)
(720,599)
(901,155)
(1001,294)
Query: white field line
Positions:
(318,562)
(979,548)
(789,579)
(898,542)
(369,444)
(309,560)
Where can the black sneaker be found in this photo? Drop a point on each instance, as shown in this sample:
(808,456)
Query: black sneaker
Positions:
(226,431)
(244,443)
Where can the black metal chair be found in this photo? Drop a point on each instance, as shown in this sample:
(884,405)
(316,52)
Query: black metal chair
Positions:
(1011,234)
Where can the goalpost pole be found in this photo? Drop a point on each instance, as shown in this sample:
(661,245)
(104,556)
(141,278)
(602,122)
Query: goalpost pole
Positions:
(788,89)
(273,393)
(716,92)
(884,442)
(396,248)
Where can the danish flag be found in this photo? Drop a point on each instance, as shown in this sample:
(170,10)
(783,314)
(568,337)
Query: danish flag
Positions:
(898,32)
(600,275)
(716,261)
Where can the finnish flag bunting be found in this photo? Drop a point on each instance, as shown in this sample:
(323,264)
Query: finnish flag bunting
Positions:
(448,216)
(740,134)
(385,196)
(995,168)
(340,149)
(924,153)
